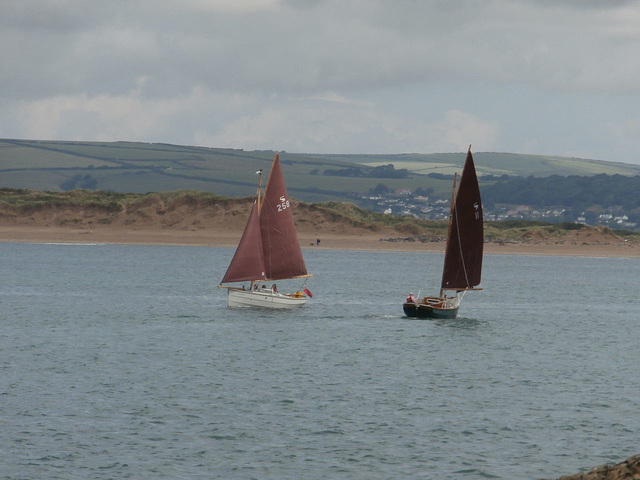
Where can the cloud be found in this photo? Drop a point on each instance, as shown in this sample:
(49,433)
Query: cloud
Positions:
(233,7)
(334,97)
(332,45)
(459,128)
(348,127)
(363,75)
(127,117)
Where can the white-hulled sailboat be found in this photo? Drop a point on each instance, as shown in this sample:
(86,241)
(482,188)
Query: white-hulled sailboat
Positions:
(268,251)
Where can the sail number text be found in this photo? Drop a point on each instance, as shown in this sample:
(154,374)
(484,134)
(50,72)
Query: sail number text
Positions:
(284,204)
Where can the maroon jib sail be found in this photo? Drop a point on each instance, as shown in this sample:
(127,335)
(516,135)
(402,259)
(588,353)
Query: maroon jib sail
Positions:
(248,261)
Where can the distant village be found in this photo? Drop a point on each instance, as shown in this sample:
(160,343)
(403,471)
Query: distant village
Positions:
(405,202)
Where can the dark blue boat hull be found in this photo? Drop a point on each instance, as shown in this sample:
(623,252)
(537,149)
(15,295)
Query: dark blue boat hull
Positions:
(422,310)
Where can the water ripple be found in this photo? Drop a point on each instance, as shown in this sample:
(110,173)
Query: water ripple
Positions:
(120,362)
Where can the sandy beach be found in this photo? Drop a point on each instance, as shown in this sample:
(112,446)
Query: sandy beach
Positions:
(367,241)
(191,221)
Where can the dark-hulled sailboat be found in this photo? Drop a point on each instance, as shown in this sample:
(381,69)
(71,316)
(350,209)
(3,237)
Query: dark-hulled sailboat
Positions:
(463,255)
(268,250)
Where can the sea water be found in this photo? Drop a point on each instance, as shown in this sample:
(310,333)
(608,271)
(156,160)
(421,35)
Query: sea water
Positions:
(124,362)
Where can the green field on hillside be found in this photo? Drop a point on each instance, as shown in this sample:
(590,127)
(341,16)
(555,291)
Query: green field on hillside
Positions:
(152,167)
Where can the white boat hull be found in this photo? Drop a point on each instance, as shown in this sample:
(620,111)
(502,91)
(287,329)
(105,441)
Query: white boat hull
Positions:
(263,299)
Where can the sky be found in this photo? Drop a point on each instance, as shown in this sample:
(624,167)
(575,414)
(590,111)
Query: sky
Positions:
(548,77)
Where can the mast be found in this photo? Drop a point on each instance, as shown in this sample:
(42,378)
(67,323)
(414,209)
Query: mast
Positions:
(259,172)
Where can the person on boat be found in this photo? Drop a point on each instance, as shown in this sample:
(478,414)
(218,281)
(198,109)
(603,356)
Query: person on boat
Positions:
(412,299)
(274,288)
(255,287)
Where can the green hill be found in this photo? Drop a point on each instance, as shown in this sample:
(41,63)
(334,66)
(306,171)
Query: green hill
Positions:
(153,167)
(493,163)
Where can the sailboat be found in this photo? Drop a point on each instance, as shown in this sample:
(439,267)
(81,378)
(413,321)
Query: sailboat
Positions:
(463,254)
(268,251)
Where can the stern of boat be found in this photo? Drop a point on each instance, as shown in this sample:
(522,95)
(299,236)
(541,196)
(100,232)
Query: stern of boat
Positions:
(410,309)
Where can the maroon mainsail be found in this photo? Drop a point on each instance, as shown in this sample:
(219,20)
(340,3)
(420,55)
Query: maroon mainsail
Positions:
(463,255)
(269,247)
(282,253)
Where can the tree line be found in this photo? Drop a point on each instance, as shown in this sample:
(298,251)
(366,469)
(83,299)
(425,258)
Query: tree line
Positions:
(576,192)
(381,171)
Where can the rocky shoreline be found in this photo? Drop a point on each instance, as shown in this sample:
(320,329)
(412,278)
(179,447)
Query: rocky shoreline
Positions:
(627,470)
